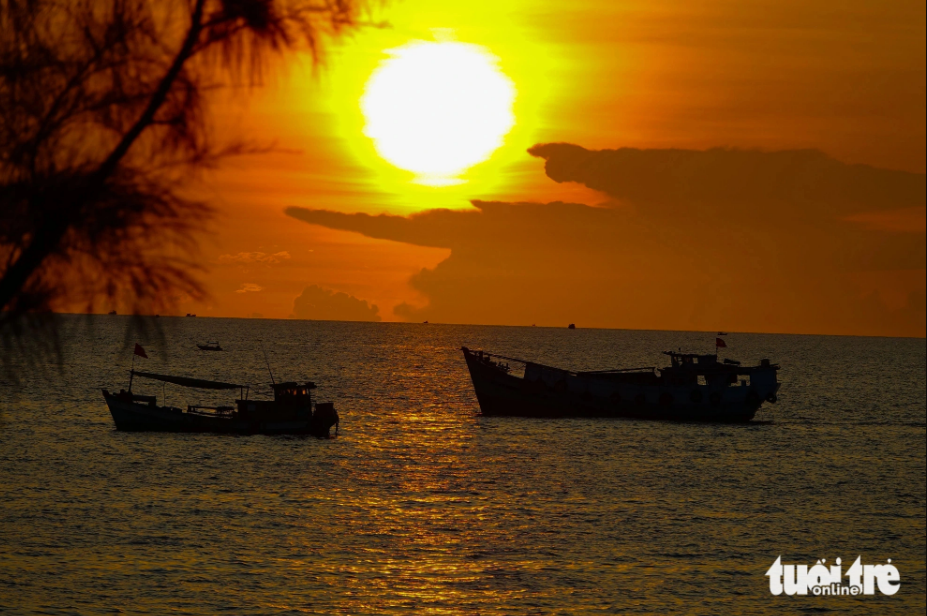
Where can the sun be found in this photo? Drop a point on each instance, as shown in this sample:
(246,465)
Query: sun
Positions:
(438,108)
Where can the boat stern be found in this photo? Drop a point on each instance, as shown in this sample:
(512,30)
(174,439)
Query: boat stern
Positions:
(324,417)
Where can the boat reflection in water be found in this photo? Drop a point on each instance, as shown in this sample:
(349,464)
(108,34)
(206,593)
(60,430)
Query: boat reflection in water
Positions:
(693,388)
(292,410)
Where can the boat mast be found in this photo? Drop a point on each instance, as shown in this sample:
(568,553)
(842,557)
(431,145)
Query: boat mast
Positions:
(267,362)
(131,373)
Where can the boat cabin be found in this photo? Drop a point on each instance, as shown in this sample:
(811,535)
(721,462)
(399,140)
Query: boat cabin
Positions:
(691,360)
(695,368)
(293,393)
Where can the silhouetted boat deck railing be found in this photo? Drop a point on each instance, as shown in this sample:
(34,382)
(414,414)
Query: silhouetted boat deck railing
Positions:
(205,410)
(616,370)
(585,372)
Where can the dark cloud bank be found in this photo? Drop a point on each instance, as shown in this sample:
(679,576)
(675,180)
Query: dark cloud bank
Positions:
(798,181)
(733,239)
(318,304)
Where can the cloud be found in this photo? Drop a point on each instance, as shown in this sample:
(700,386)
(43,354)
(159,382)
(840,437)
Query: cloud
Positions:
(902,220)
(804,201)
(320,304)
(678,249)
(246,258)
(673,181)
(249,287)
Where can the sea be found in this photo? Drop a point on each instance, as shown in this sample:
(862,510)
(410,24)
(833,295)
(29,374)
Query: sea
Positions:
(421,505)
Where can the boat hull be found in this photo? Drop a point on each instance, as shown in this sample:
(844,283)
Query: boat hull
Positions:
(566,394)
(137,417)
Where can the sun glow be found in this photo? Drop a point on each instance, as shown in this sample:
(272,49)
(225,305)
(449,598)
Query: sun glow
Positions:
(438,108)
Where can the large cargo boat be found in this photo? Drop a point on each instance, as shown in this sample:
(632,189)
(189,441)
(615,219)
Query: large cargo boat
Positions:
(292,410)
(693,387)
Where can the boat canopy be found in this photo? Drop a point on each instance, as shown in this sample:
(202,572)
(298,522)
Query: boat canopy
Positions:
(184,381)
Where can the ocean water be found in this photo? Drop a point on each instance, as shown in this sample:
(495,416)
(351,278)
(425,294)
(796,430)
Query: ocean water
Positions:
(421,505)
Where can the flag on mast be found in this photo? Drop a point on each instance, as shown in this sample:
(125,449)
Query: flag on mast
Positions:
(140,351)
(720,344)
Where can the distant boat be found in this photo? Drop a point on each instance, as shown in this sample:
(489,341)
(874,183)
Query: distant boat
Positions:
(292,410)
(693,388)
(111,312)
(722,333)
(210,346)
(190,314)
(571,326)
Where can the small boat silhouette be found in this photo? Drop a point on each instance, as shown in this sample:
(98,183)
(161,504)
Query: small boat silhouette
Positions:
(292,410)
(210,346)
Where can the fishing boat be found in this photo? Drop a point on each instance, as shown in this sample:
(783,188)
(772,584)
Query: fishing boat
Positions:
(209,346)
(694,387)
(292,411)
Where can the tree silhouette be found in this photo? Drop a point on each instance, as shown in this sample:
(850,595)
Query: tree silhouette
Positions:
(102,115)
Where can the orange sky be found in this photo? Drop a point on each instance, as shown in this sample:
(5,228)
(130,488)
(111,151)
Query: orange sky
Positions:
(677,238)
